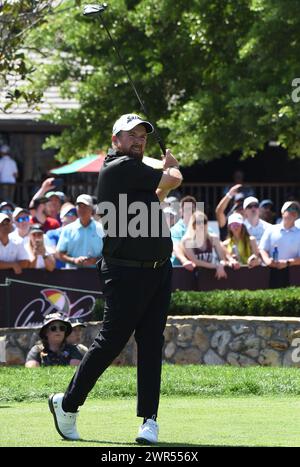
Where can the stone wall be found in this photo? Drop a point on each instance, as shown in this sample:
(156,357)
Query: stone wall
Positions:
(211,340)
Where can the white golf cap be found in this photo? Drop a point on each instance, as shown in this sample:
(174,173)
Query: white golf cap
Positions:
(85,199)
(250,200)
(235,218)
(128,121)
(67,207)
(18,211)
(288,204)
(3,217)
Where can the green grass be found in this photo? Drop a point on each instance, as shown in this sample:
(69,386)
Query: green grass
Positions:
(22,384)
(184,422)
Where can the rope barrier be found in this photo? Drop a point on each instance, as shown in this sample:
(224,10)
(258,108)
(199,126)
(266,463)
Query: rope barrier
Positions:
(8,283)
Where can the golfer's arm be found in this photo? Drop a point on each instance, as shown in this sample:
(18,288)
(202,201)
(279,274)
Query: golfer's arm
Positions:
(171,179)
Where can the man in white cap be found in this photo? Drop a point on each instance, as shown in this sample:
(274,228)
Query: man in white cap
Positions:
(136,271)
(253,223)
(80,242)
(8,173)
(280,244)
(12,252)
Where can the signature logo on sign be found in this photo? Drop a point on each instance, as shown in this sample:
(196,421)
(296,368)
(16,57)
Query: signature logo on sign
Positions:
(54,300)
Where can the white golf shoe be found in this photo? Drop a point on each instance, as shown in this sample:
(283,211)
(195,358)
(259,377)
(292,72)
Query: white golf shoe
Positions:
(148,433)
(65,422)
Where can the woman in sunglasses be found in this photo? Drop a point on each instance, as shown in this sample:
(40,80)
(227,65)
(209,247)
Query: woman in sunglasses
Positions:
(201,247)
(241,248)
(53,348)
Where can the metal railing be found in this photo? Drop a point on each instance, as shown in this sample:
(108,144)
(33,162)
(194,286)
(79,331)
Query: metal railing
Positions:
(209,193)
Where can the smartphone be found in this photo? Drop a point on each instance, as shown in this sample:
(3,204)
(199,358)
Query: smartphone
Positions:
(58,182)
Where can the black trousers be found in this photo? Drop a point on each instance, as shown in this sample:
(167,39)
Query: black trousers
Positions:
(136,300)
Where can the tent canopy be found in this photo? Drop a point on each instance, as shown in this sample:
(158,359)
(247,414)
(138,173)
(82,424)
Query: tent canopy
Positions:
(91,163)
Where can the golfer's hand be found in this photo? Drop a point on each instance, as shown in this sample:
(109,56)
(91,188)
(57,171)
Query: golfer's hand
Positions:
(169,160)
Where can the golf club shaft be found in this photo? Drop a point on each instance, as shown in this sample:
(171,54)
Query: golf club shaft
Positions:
(156,134)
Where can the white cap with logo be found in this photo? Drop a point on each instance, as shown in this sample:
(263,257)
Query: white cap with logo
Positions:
(235,218)
(3,217)
(128,121)
(250,200)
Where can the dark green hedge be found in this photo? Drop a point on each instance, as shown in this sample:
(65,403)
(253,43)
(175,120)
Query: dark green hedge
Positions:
(269,302)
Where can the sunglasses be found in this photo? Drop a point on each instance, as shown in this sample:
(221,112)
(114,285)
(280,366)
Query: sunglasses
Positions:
(235,225)
(23,219)
(7,211)
(59,327)
(254,205)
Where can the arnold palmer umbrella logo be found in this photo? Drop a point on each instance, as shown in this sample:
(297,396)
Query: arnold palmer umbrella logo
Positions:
(54,300)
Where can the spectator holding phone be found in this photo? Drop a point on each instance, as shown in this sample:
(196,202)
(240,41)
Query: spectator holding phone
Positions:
(41,257)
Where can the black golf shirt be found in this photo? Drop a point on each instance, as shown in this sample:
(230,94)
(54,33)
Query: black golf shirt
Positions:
(136,182)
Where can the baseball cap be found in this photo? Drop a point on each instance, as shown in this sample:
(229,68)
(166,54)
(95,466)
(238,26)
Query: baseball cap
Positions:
(266,202)
(288,204)
(59,194)
(85,199)
(171,199)
(7,203)
(235,218)
(239,197)
(75,322)
(36,228)
(250,200)
(3,217)
(65,209)
(128,121)
(18,211)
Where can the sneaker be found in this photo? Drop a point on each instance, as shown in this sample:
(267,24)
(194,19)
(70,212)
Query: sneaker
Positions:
(148,432)
(65,422)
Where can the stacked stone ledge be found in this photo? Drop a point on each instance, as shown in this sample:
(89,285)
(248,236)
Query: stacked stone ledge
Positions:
(209,340)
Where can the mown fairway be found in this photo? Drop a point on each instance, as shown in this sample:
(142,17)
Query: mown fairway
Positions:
(200,406)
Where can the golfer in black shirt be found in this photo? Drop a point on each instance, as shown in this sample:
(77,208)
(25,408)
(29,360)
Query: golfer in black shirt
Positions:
(136,272)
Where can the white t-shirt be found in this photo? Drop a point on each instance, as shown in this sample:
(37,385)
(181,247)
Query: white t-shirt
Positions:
(13,251)
(8,168)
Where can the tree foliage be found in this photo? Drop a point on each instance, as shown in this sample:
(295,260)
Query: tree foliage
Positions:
(216,74)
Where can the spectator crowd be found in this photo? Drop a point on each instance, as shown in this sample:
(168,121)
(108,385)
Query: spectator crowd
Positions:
(55,233)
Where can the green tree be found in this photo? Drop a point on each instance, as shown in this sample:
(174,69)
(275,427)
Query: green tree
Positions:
(216,74)
(17,19)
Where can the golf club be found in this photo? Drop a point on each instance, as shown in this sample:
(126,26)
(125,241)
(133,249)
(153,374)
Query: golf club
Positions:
(97,10)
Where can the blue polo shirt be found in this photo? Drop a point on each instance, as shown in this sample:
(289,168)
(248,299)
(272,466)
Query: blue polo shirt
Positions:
(76,240)
(286,240)
(177,232)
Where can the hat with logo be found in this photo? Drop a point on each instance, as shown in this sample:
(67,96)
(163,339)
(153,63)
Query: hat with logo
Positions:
(3,217)
(235,218)
(250,200)
(85,199)
(288,204)
(55,317)
(128,121)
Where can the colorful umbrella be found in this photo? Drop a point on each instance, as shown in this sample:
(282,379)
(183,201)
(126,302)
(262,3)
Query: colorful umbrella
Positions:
(91,163)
